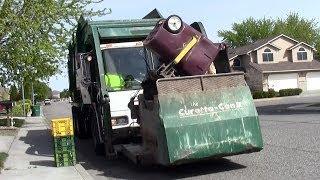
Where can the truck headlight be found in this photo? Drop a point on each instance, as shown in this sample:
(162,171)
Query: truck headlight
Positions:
(118,121)
(174,23)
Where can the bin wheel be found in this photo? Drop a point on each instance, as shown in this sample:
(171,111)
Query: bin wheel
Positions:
(173,24)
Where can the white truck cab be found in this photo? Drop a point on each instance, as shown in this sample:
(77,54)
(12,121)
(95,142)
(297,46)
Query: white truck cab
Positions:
(129,61)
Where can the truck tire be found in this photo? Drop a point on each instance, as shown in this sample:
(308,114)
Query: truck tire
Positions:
(95,126)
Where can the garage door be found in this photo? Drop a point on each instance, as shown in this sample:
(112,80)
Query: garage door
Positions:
(313,81)
(283,81)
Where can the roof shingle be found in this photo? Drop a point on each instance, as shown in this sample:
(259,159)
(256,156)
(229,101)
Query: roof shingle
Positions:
(232,52)
(290,66)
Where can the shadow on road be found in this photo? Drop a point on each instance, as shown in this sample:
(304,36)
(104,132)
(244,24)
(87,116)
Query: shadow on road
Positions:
(283,109)
(125,169)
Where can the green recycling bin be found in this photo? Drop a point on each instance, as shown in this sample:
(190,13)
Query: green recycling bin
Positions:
(35,110)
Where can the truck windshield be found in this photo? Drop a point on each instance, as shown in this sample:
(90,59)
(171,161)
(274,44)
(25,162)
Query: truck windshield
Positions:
(128,65)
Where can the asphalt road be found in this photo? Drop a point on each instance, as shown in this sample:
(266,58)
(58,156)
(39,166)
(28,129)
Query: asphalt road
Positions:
(291,149)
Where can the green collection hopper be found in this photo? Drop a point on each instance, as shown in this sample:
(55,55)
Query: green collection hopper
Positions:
(200,117)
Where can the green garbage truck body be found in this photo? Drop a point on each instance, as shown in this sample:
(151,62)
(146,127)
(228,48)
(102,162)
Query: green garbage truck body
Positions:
(107,62)
(189,119)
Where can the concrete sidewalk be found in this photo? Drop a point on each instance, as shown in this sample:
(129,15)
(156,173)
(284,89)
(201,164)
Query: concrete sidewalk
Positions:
(5,143)
(31,156)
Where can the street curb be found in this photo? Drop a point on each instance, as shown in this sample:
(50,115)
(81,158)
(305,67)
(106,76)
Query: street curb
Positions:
(275,98)
(83,173)
(279,98)
(304,107)
(78,167)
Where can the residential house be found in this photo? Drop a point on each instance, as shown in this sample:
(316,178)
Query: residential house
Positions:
(4,93)
(55,94)
(277,62)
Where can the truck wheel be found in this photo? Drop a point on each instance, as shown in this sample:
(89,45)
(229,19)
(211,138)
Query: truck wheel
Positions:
(98,145)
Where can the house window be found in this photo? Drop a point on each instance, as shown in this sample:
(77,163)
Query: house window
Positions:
(237,63)
(302,54)
(267,55)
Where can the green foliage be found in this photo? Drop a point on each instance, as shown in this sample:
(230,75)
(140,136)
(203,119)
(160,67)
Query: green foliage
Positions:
(16,122)
(247,31)
(14,93)
(17,110)
(42,91)
(35,33)
(251,30)
(3,157)
(260,94)
(272,93)
(290,92)
(65,93)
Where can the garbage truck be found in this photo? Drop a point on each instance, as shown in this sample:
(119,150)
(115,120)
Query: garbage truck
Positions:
(143,89)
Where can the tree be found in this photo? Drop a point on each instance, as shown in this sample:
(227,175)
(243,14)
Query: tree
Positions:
(65,93)
(34,35)
(41,90)
(250,30)
(14,93)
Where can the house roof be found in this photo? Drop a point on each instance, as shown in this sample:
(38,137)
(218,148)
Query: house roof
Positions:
(287,66)
(232,53)
(3,93)
(294,46)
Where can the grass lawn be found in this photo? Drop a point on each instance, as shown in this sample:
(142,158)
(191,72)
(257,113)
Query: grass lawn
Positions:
(3,157)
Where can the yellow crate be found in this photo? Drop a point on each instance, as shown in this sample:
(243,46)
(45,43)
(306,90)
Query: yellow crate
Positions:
(62,127)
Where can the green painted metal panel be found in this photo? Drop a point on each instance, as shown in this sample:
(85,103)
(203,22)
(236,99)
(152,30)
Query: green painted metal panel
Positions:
(208,124)
(125,32)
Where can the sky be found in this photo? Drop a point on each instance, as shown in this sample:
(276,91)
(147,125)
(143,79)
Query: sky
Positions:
(215,15)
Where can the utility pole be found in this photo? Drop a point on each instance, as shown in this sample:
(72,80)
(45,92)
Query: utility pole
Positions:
(23,99)
(32,94)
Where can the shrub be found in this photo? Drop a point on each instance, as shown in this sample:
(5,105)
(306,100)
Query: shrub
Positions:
(3,157)
(17,110)
(290,92)
(16,122)
(272,93)
(260,94)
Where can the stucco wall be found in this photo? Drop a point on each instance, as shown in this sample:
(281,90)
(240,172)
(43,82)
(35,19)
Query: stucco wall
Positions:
(308,50)
(302,81)
(273,50)
(284,43)
(254,57)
